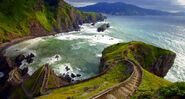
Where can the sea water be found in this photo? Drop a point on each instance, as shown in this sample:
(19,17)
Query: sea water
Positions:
(81,50)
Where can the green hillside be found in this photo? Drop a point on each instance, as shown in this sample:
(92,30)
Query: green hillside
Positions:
(19,18)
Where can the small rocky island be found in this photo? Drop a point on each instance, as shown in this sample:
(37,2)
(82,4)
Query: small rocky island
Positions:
(103,27)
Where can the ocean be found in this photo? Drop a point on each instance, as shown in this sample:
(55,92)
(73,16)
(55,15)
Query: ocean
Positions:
(81,50)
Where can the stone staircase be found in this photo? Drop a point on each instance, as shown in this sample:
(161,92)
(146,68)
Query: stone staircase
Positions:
(125,89)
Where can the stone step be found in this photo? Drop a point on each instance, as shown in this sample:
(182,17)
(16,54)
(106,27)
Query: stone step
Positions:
(135,80)
(126,90)
(122,94)
(110,96)
(119,94)
(129,87)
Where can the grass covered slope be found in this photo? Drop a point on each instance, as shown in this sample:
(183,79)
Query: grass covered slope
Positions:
(150,85)
(156,60)
(20,18)
(149,57)
(91,87)
(43,79)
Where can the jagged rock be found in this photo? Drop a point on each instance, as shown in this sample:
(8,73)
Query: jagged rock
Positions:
(19,59)
(73,75)
(78,75)
(57,56)
(93,24)
(163,64)
(67,68)
(29,58)
(24,71)
(103,27)
(68,78)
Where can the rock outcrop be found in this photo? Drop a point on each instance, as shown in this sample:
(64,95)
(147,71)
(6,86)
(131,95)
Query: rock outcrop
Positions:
(103,27)
(163,64)
(156,60)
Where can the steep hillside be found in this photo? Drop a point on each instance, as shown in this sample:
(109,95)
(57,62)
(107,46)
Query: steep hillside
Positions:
(42,80)
(150,85)
(156,60)
(19,18)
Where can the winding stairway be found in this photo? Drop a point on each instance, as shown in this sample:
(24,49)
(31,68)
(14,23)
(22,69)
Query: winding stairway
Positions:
(125,89)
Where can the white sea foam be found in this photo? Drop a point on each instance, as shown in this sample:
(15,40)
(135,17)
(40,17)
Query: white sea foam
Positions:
(104,39)
(23,47)
(99,55)
(31,70)
(61,70)
(52,60)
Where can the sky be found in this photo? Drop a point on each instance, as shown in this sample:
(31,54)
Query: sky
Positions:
(164,5)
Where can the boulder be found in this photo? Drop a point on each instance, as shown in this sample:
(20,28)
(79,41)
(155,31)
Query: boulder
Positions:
(24,71)
(78,75)
(19,59)
(103,27)
(29,58)
(73,75)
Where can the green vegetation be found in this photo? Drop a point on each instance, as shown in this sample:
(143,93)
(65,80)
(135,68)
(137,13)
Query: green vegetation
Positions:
(19,17)
(14,18)
(150,83)
(149,86)
(32,85)
(41,17)
(91,87)
(176,90)
(145,55)
(140,52)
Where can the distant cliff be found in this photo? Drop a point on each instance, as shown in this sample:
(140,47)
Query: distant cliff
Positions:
(20,18)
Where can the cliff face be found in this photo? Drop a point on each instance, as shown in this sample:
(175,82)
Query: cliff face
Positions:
(40,17)
(155,60)
(163,64)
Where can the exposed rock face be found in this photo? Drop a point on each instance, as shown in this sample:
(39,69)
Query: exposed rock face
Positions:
(163,64)
(103,27)
(37,29)
(19,59)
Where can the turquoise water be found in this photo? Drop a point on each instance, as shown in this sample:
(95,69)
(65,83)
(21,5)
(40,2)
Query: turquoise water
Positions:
(163,31)
(81,50)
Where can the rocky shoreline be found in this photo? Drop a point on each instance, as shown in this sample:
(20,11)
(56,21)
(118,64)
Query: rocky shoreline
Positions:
(10,70)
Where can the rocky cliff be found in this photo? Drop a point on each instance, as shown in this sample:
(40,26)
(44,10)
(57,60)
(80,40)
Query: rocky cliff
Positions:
(20,18)
(156,60)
